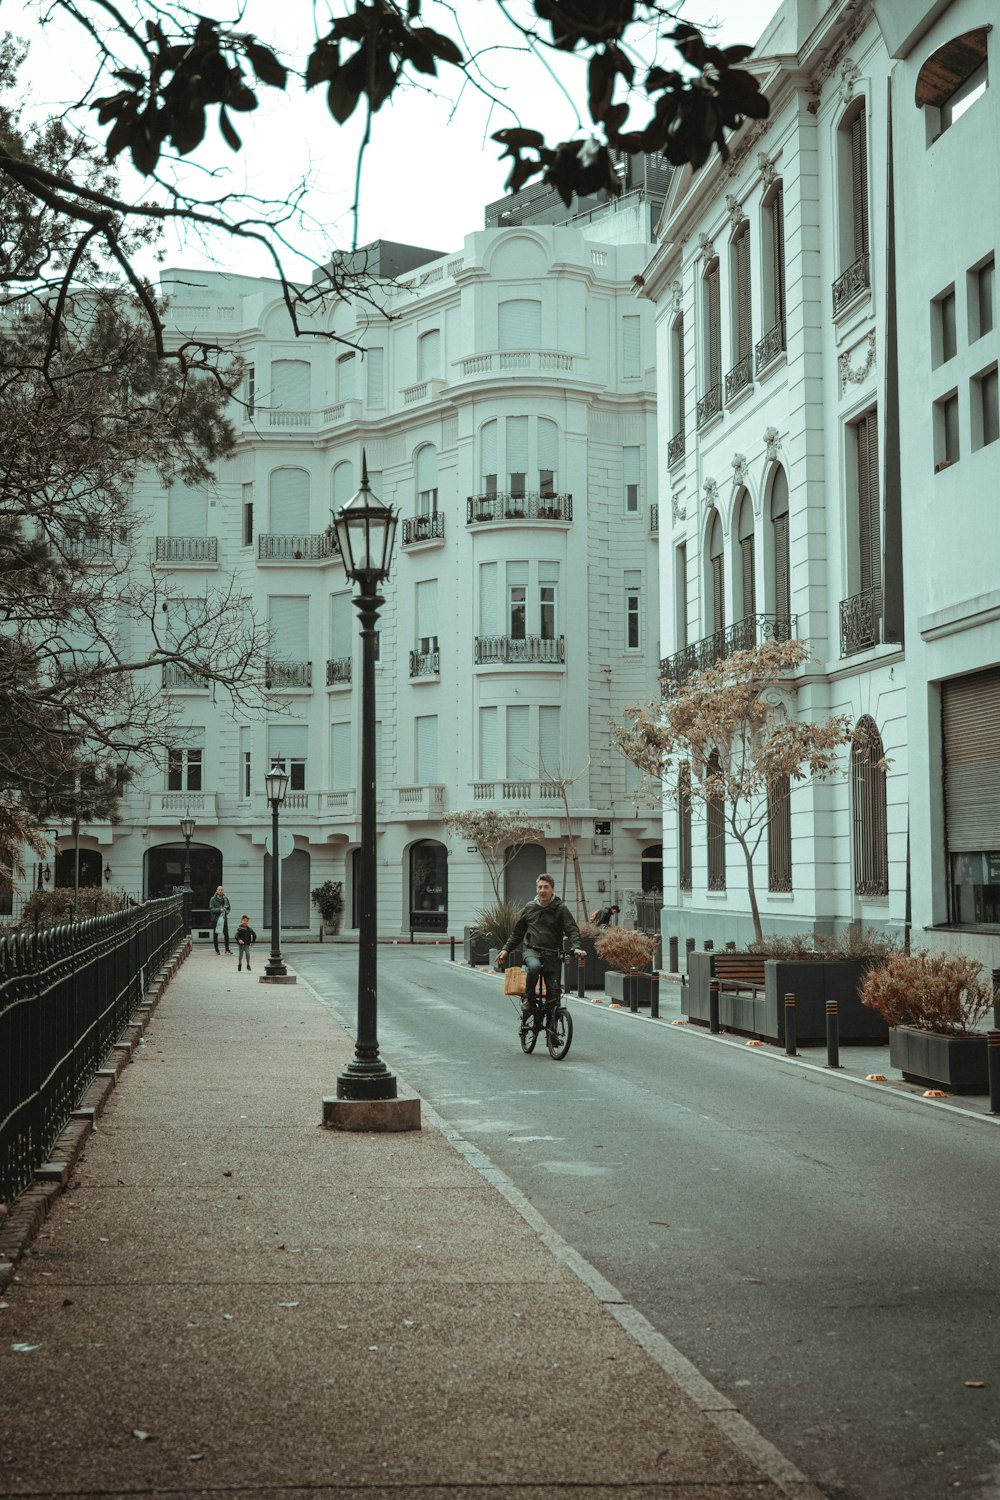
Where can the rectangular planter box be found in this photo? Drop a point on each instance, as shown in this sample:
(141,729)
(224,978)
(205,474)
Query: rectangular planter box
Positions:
(812,981)
(594,969)
(621,987)
(476,950)
(955,1063)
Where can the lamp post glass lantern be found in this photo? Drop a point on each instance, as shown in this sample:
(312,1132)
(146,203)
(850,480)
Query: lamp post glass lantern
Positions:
(187,830)
(366,530)
(275,785)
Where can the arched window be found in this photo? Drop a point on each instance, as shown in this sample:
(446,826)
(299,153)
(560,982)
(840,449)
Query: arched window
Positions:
(716,810)
(488,458)
(716,577)
(741,374)
(652,868)
(547,438)
(710,403)
(429,886)
(429,355)
(342,484)
(293,885)
(952,79)
(426,473)
(779,557)
(288,502)
(748,582)
(772,277)
(871,849)
(852,155)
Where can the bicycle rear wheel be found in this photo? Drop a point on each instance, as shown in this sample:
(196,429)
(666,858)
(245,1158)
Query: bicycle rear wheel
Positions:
(529,1032)
(559,1033)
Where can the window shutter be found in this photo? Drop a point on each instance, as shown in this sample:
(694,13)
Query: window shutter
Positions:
(517,445)
(429,355)
(749,582)
(341,775)
(520,324)
(743,326)
(489,746)
(427,475)
(713,328)
(488,453)
(343,484)
(375,375)
(678,373)
(681,595)
(718,596)
(426,608)
(287,742)
(347,366)
(868,503)
(288,619)
(630,472)
(519,762)
(548,445)
(341,627)
(631,348)
(290,384)
(187,510)
(549,758)
(426,736)
(288,502)
(970,725)
(782,590)
(859,183)
(488,584)
(777,211)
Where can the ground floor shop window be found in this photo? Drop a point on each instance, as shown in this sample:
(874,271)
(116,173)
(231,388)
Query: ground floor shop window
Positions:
(429,886)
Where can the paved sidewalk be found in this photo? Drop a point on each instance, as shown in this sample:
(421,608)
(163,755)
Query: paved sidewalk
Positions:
(230,1299)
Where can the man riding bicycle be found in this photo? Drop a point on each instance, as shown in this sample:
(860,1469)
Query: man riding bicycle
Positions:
(542,927)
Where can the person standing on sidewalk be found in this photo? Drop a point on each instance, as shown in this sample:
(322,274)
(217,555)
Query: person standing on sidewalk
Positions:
(544,925)
(245,939)
(219,908)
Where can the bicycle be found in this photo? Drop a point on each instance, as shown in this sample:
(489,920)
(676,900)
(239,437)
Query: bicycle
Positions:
(551,1017)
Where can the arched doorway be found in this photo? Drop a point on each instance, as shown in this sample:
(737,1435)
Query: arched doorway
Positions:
(652,868)
(296,910)
(165,874)
(91,868)
(524,869)
(428,886)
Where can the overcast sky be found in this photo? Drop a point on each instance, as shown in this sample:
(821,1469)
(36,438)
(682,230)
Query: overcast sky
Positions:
(430,167)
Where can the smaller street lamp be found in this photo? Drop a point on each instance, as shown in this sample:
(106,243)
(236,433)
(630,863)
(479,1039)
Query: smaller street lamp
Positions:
(276,785)
(187,831)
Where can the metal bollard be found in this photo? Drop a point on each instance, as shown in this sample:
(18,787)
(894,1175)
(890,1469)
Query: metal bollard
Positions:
(654,998)
(633,993)
(730,947)
(673,959)
(689,946)
(790,1026)
(832,1035)
(453,950)
(581,978)
(993,1065)
(708,945)
(713,1006)
(996,998)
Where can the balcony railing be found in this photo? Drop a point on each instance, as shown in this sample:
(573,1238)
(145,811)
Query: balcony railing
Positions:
(528,648)
(745,634)
(542,361)
(423,528)
(859,621)
(176,675)
(770,346)
(96,549)
(675,449)
(288,674)
(425,663)
(170,807)
(187,549)
(338,671)
(422,801)
(740,377)
(532,506)
(515,791)
(709,405)
(851,284)
(315,547)
(654,519)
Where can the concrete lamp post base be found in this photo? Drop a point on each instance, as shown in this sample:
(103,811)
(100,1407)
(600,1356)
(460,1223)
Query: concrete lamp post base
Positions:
(371,1114)
(278,979)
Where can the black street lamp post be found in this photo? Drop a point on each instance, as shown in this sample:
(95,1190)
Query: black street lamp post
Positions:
(276,783)
(366,529)
(187,832)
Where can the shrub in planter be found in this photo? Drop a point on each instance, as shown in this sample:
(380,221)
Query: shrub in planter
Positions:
(328,900)
(55,908)
(494,924)
(933,1004)
(594,967)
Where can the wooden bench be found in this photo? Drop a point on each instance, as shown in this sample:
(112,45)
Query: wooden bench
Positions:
(739,973)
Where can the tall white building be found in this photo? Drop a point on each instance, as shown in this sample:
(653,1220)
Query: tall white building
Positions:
(503,397)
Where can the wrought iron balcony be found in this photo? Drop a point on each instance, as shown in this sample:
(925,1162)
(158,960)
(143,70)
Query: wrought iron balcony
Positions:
(709,405)
(860,617)
(315,547)
(770,346)
(288,674)
(338,671)
(743,636)
(425,663)
(177,675)
(675,449)
(423,528)
(740,377)
(95,549)
(851,284)
(187,549)
(654,519)
(502,649)
(531,506)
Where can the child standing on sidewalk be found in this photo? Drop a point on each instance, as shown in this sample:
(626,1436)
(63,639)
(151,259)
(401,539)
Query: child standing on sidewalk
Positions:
(245,938)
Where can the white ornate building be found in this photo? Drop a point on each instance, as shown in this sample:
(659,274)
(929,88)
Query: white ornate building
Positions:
(505,401)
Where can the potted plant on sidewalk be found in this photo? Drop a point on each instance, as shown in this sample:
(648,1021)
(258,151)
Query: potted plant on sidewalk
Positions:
(629,956)
(328,900)
(934,1005)
(594,967)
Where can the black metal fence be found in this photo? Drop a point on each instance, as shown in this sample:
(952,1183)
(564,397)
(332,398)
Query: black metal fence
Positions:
(66,995)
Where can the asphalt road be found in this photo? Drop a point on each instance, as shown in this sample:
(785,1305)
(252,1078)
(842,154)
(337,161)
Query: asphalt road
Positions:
(827,1254)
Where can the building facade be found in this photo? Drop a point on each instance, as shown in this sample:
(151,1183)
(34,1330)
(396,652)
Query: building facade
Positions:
(503,399)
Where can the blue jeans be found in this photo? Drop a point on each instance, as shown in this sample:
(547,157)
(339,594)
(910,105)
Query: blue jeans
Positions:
(546,964)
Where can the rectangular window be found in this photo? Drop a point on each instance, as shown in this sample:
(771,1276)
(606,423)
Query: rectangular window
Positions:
(185,763)
(633,610)
(246,764)
(712,330)
(859,184)
(549,756)
(946,450)
(341,773)
(248,515)
(346,377)
(374,361)
(944,341)
(291,384)
(548,461)
(517,454)
(779,834)
(981,282)
(425,750)
(970,745)
(631,348)
(426,615)
(869,517)
(775,283)
(548,582)
(488,587)
(630,473)
(517,600)
(716,809)
(985,413)
(250,389)
(520,324)
(680,597)
(288,619)
(429,355)
(288,747)
(519,759)
(742,327)
(341,627)
(489,743)
(684,827)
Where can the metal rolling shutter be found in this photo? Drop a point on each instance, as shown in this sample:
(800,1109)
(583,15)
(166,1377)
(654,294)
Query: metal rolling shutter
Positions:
(970,731)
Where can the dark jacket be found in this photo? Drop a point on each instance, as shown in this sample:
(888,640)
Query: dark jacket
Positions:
(545,927)
(245,936)
(215,905)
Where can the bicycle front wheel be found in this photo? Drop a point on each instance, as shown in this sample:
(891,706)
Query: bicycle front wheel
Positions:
(529,1033)
(559,1033)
